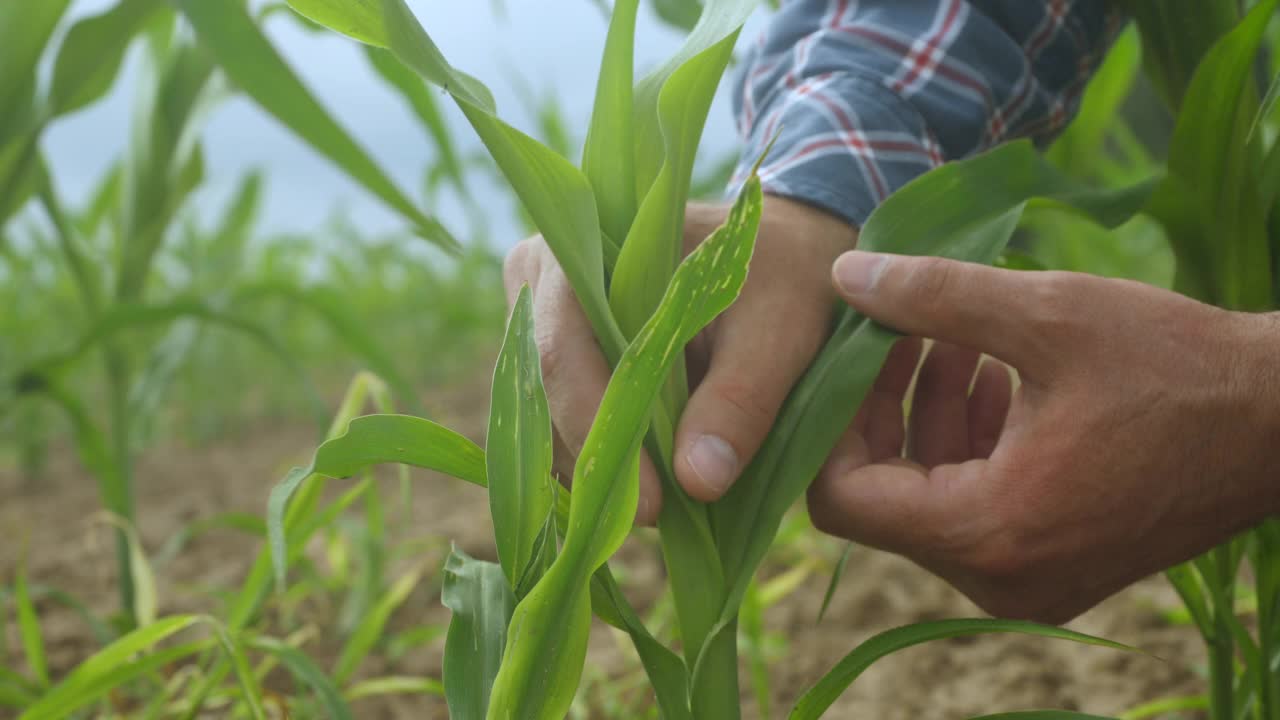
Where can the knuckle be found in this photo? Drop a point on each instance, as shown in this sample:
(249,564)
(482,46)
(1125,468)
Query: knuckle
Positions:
(930,281)
(744,399)
(1054,302)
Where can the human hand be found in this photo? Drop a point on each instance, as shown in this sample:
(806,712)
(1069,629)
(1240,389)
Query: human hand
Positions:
(1142,434)
(741,367)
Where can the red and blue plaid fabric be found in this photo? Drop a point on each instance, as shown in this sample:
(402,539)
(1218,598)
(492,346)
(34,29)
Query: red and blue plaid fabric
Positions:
(868,94)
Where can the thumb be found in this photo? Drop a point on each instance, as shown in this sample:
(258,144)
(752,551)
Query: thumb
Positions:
(756,355)
(998,312)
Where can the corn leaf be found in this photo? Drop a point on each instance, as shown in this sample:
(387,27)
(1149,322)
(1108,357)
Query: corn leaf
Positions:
(719,20)
(113,666)
(819,698)
(481,601)
(547,642)
(308,673)
(369,441)
(164,161)
(965,210)
(608,158)
(91,54)
(425,106)
(1210,205)
(555,194)
(518,448)
(248,58)
(655,243)
(25,29)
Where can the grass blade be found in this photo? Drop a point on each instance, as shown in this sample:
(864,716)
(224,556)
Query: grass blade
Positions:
(1043,715)
(308,673)
(819,698)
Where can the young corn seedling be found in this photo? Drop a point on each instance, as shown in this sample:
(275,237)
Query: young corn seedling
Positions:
(519,639)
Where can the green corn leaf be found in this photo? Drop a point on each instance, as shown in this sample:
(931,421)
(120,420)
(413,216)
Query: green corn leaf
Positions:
(819,698)
(424,105)
(377,439)
(308,673)
(164,161)
(555,194)
(369,441)
(547,642)
(607,158)
(25,29)
(682,14)
(965,210)
(112,666)
(370,630)
(667,672)
(91,54)
(655,243)
(248,58)
(720,20)
(29,629)
(522,492)
(1043,715)
(1077,150)
(1210,205)
(481,601)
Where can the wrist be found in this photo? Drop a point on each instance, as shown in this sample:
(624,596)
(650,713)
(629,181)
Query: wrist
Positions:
(807,220)
(1259,347)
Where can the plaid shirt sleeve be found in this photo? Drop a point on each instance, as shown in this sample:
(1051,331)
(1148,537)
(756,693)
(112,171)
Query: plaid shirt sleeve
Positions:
(868,94)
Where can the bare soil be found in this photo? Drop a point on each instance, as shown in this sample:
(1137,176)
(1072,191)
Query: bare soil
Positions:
(50,519)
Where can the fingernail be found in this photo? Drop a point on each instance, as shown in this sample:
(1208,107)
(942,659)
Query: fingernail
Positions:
(714,462)
(856,272)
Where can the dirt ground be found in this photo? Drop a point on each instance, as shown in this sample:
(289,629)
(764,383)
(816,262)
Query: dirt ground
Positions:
(953,679)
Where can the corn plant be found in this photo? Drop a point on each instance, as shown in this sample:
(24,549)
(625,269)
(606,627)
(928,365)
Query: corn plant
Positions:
(518,642)
(107,252)
(1218,208)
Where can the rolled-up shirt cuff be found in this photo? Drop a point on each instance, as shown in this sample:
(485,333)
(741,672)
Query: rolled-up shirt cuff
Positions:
(844,144)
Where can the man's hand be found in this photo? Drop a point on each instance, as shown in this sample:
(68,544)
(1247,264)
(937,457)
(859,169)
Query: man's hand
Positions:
(1144,431)
(741,368)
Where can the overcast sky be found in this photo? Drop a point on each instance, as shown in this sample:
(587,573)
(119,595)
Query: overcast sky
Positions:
(554,44)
